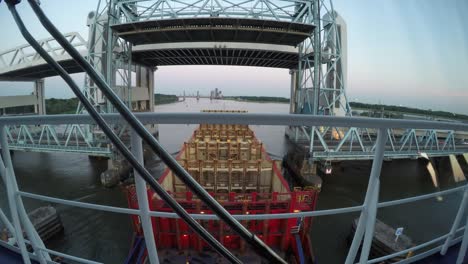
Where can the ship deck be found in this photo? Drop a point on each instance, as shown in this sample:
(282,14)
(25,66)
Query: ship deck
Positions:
(206,256)
(449,258)
(9,255)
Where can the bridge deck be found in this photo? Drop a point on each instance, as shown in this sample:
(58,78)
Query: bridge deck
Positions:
(213,53)
(214,29)
(23,63)
(39,69)
(260,43)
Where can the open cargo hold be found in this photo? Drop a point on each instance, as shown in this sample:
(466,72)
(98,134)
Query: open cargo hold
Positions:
(232,165)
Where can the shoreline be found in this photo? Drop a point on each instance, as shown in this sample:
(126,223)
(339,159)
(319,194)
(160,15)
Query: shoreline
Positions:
(254,101)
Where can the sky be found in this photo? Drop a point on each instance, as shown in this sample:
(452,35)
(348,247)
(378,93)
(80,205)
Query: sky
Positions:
(400,52)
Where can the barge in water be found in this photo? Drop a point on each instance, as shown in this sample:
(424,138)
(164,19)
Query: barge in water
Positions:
(232,165)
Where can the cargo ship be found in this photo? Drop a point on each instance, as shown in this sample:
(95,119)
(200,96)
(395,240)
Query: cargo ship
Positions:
(233,166)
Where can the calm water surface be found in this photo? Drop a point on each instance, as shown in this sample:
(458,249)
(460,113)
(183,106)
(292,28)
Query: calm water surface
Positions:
(106,236)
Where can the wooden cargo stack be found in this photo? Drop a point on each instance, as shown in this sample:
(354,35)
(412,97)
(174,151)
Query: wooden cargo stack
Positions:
(225,159)
(232,165)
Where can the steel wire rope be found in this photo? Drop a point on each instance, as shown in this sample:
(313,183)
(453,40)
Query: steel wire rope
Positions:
(118,143)
(255,242)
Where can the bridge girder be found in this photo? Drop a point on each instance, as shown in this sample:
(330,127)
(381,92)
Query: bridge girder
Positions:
(300,35)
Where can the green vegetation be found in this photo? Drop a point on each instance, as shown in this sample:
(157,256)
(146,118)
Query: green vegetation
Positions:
(68,106)
(61,106)
(56,106)
(398,111)
(53,107)
(258,99)
(165,98)
(378,114)
(27,109)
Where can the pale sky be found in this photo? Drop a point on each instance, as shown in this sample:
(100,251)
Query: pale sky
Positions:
(409,52)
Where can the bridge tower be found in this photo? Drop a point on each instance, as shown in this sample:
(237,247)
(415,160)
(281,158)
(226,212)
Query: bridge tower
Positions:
(133,82)
(129,40)
(112,57)
(318,85)
(306,37)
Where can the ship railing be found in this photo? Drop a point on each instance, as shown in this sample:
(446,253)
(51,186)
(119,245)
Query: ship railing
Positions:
(251,197)
(368,210)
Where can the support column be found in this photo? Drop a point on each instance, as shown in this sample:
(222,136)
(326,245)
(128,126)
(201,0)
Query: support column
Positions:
(368,215)
(317,58)
(143,204)
(464,245)
(293,96)
(456,222)
(143,93)
(39,106)
(151,88)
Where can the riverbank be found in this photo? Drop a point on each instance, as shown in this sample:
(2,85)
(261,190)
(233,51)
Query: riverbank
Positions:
(160,99)
(393,111)
(258,99)
(56,106)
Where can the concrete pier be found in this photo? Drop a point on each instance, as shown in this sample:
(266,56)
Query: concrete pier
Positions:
(46,221)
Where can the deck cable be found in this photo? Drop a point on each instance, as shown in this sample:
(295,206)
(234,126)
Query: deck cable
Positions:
(171,202)
(254,241)
(257,244)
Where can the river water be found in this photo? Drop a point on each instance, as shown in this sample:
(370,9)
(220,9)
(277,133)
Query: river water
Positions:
(106,236)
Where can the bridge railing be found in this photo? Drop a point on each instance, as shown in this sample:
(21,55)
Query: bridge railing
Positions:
(341,143)
(76,138)
(368,210)
(329,142)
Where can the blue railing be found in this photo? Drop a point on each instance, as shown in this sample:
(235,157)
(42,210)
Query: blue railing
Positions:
(368,210)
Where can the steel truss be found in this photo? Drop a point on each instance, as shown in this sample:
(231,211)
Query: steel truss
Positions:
(53,138)
(25,56)
(280,10)
(320,78)
(353,143)
(330,143)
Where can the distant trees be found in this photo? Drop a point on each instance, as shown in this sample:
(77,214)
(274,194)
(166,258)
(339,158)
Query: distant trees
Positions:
(265,99)
(165,98)
(408,110)
(68,106)
(56,106)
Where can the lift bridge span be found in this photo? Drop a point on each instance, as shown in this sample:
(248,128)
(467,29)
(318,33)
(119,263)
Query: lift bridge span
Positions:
(306,37)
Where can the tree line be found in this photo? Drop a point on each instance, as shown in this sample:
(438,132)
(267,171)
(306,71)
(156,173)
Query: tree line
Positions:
(269,99)
(68,106)
(408,110)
